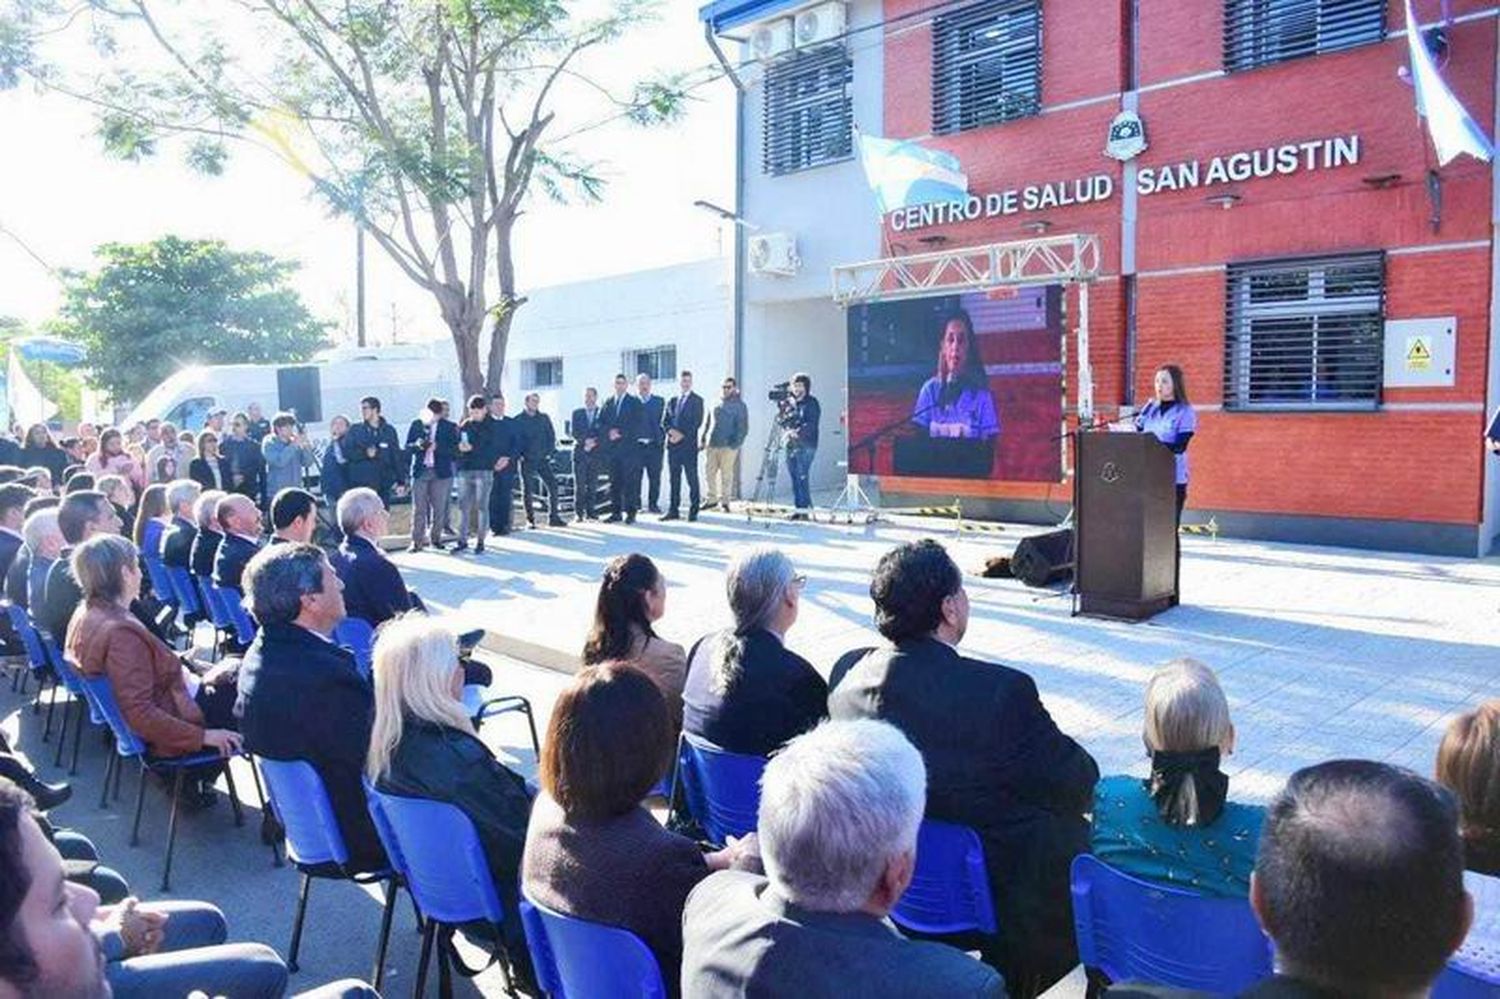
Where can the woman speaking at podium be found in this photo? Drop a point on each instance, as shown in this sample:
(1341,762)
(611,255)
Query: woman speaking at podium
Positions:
(1172,419)
(956,402)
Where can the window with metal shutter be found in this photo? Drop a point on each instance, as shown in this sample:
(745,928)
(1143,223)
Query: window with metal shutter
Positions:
(1305,334)
(1262,32)
(809,114)
(986,65)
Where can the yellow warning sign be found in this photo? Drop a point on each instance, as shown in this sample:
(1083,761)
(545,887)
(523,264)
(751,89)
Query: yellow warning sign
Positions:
(1418,353)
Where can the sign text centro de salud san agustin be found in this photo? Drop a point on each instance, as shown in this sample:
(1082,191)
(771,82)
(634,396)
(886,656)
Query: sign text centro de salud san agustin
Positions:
(1290,158)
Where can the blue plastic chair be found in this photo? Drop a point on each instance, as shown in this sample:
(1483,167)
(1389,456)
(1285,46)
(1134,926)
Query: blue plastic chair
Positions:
(950,889)
(1473,972)
(184,589)
(1134,930)
(719,789)
(358,636)
(36,660)
(78,703)
(232,604)
(577,959)
(217,615)
(128,745)
(316,846)
(161,582)
(437,852)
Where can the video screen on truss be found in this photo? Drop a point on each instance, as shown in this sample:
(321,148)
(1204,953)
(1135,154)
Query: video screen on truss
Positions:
(958,386)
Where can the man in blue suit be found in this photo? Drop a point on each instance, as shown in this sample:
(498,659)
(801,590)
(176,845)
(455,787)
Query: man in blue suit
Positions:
(240,519)
(373,587)
(622,423)
(652,440)
(682,422)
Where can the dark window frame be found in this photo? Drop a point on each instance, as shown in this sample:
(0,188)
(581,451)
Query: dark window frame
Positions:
(1269,32)
(807,114)
(531,372)
(986,65)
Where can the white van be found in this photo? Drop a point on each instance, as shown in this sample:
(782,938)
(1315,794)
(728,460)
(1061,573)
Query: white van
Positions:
(403,377)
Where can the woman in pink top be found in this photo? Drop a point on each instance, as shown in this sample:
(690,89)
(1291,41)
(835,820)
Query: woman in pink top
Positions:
(112,459)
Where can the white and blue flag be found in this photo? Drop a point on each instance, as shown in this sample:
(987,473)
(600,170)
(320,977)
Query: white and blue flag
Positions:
(902,173)
(1453,130)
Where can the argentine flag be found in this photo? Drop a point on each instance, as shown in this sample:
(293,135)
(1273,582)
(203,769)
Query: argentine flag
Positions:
(902,173)
(1453,131)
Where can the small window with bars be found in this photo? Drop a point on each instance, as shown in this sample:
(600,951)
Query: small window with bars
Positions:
(1263,32)
(1305,334)
(986,65)
(542,372)
(809,114)
(659,363)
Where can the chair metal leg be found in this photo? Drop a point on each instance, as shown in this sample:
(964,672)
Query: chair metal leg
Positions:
(83,717)
(109,771)
(140,799)
(234,797)
(536,745)
(166,871)
(291,959)
(62,733)
(51,706)
(427,936)
(120,771)
(385,933)
(445,967)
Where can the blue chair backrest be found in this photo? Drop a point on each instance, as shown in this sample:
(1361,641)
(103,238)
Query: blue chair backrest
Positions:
(1474,971)
(950,889)
(1134,930)
(161,583)
(211,604)
(102,697)
(721,789)
(182,586)
(435,847)
(358,636)
(35,654)
(232,602)
(578,959)
(301,802)
(61,668)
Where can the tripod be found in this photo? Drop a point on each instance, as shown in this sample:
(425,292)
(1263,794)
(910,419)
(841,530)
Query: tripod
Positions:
(770,467)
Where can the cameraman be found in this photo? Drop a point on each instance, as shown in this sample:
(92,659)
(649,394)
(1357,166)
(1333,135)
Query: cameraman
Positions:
(800,418)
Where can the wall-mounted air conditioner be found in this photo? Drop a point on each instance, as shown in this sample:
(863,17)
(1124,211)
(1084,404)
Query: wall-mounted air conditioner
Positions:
(772,39)
(822,25)
(774,253)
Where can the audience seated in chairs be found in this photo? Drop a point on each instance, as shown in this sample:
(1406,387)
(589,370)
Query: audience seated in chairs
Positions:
(1468,764)
(1359,884)
(80,517)
(995,760)
(294,516)
(373,587)
(60,942)
(177,542)
(301,697)
(240,520)
(592,850)
(632,597)
(44,545)
(422,745)
(746,691)
(839,812)
(206,545)
(174,709)
(1177,826)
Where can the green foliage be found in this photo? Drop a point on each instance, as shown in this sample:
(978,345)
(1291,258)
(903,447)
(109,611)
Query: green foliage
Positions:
(63,385)
(151,308)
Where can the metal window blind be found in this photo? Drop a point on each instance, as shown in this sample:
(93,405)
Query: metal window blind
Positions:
(1305,334)
(809,114)
(986,64)
(1262,32)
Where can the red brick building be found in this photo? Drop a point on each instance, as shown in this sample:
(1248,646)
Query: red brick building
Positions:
(1286,236)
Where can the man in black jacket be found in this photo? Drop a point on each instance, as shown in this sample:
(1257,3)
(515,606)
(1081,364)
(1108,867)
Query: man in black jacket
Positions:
(507,455)
(301,697)
(995,759)
(241,459)
(623,422)
(432,444)
(240,520)
(586,430)
(177,541)
(478,452)
(651,441)
(13,497)
(682,421)
(538,441)
(206,544)
(374,455)
(80,516)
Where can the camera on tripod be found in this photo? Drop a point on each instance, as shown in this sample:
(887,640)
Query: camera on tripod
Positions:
(781,395)
(780,392)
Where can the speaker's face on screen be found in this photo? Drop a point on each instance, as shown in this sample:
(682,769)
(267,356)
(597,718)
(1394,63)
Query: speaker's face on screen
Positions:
(955,345)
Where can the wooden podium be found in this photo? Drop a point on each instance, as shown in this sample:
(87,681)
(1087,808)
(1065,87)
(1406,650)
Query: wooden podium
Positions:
(1125,515)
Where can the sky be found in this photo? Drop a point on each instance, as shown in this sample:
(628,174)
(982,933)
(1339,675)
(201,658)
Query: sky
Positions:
(62,197)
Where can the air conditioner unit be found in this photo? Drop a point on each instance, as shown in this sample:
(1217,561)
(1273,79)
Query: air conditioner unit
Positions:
(821,25)
(774,253)
(772,39)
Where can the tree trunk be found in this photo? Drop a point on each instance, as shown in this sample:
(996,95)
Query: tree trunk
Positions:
(464,325)
(505,306)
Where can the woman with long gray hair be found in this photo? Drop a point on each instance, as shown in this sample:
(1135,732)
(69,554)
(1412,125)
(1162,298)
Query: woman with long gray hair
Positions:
(746,691)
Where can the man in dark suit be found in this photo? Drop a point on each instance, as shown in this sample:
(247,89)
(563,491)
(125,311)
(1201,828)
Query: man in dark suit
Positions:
(995,759)
(373,452)
(507,449)
(206,544)
(80,516)
(432,445)
(682,422)
(302,697)
(622,420)
(13,498)
(177,541)
(538,441)
(373,587)
(840,808)
(652,440)
(586,430)
(241,459)
(240,520)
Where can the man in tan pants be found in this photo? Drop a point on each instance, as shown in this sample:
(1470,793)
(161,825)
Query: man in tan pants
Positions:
(723,434)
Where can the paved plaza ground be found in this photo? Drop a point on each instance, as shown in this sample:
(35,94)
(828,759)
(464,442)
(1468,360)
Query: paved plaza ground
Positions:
(1323,652)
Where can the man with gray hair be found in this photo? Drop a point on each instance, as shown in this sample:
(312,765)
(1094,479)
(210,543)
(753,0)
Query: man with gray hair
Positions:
(839,811)
(374,588)
(301,697)
(177,540)
(44,543)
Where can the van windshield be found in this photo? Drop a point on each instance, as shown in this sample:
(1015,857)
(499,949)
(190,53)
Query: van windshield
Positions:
(154,406)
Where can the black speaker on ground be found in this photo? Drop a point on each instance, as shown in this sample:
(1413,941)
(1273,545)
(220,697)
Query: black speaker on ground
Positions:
(1043,559)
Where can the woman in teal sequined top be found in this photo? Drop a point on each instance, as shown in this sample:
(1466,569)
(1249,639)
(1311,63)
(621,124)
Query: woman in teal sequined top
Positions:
(1177,826)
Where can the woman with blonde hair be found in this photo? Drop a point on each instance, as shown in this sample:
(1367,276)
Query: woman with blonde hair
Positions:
(1177,826)
(1468,764)
(422,745)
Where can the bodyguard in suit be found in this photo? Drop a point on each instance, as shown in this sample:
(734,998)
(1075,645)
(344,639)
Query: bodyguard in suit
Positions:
(840,808)
(240,520)
(623,421)
(586,428)
(995,759)
(652,440)
(507,445)
(682,421)
(538,442)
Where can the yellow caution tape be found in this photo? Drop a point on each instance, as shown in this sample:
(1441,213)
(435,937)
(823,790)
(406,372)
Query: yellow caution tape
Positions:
(1211,528)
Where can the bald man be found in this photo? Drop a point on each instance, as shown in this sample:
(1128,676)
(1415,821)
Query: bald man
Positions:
(240,519)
